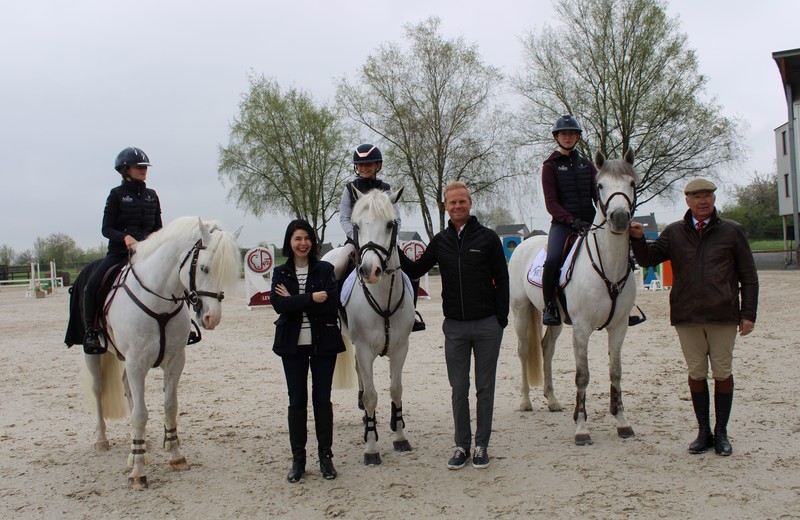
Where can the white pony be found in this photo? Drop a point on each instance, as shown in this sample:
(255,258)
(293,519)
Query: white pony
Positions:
(380,312)
(600,295)
(186,264)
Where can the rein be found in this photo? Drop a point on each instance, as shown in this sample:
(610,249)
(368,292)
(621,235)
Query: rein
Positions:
(614,288)
(190,297)
(384,255)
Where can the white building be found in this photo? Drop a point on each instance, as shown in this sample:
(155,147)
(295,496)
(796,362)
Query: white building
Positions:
(787,146)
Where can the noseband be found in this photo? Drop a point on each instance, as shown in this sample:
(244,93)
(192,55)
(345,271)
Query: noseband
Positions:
(192,296)
(383,253)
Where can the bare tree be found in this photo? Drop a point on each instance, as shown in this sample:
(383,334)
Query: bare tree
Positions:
(625,71)
(285,154)
(434,104)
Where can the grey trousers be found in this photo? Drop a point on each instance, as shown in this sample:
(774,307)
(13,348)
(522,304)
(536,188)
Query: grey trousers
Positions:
(463,339)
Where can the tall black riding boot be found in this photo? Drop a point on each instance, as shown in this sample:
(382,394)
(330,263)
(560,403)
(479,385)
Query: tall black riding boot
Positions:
(323,419)
(722,407)
(91,338)
(298,434)
(550,274)
(704,440)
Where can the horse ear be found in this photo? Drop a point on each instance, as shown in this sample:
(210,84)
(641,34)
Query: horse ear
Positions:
(238,231)
(396,195)
(205,234)
(599,159)
(629,156)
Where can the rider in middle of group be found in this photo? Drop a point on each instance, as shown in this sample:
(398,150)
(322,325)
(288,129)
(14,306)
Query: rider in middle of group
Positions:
(569,184)
(367,162)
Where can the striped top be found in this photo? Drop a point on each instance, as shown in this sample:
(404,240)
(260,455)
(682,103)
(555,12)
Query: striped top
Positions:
(305,327)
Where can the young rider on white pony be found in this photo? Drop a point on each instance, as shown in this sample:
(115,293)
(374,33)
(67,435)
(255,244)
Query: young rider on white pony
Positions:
(132,212)
(569,184)
(367,162)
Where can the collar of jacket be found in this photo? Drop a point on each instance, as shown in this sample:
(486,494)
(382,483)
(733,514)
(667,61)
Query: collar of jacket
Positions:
(687,217)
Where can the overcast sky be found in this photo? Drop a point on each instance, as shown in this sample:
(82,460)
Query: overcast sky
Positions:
(81,80)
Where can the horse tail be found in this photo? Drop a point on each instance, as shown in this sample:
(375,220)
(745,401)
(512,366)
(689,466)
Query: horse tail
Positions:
(535,374)
(113,402)
(344,375)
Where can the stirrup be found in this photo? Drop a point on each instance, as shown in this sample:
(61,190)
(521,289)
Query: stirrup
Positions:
(636,320)
(419,324)
(92,344)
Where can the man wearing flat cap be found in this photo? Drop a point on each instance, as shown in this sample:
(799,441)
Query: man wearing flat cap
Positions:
(714,294)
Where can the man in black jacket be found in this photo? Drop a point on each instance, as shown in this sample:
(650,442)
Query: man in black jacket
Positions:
(475,305)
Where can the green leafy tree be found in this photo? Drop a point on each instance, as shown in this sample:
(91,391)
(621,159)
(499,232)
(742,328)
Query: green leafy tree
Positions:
(285,154)
(6,254)
(755,207)
(624,69)
(435,106)
(57,246)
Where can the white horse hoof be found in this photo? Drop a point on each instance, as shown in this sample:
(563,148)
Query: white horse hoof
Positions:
(555,407)
(101,446)
(626,432)
(526,406)
(372,459)
(138,483)
(583,439)
(402,445)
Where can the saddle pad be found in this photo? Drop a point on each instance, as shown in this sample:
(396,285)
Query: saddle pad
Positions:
(535,271)
(350,282)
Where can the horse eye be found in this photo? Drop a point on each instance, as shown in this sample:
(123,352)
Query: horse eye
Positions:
(599,186)
(633,184)
(389,225)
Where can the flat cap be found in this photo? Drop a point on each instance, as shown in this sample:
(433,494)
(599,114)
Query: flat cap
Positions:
(699,185)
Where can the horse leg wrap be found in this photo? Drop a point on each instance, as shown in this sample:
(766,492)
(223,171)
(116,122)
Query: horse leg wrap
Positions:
(370,426)
(397,417)
(580,407)
(137,448)
(616,401)
(171,438)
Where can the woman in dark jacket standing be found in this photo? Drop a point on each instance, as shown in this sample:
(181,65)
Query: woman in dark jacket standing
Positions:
(307,334)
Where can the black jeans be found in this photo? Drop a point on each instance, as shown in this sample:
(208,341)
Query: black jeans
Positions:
(296,369)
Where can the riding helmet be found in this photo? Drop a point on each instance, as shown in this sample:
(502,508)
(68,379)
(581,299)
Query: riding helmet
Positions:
(367,153)
(566,122)
(131,156)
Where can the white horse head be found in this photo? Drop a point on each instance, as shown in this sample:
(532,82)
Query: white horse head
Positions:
(616,187)
(209,266)
(375,229)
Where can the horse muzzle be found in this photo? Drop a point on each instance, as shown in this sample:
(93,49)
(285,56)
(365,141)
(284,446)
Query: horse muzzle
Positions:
(619,221)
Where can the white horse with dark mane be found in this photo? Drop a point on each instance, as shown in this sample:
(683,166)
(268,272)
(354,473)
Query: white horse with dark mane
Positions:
(379,312)
(600,295)
(181,268)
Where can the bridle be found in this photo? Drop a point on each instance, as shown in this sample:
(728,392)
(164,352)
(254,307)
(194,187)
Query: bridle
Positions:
(384,254)
(190,297)
(614,288)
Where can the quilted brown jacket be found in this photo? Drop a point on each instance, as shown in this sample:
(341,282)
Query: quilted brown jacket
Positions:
(714,275)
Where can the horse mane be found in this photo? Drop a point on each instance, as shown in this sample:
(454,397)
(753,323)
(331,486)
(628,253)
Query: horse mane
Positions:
(374,202)
(225,260)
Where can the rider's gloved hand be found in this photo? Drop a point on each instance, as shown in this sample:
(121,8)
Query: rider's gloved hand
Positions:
(580,225)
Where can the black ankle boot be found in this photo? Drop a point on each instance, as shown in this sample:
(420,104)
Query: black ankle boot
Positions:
(326,464)
(298,433)
(704,440)
(550,273)
(551,317)
(722,409)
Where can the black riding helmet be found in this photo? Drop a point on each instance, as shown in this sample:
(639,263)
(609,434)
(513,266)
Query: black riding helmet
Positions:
(367,153)
(566,122)
(130,156)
